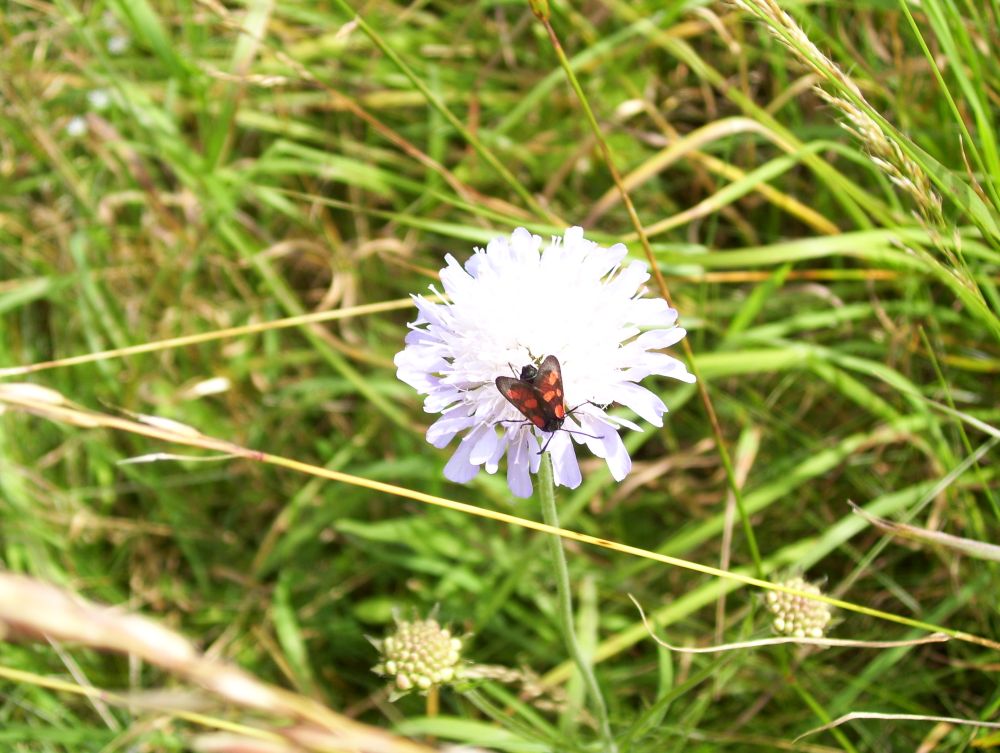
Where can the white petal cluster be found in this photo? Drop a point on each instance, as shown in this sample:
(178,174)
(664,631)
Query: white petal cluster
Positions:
(76,127)
(796,615)
(419,655)
(510,305)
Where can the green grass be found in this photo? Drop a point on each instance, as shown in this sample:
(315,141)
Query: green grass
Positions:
(270,159)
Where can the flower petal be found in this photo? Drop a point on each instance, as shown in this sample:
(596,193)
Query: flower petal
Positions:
(485,447)
(565,468)
(652,312)
(458,468)
(607,445)
(619,462)
(621,421)
(659,363)
(493,462)
(442,431)
(655,339)
(641,401)
(518,465)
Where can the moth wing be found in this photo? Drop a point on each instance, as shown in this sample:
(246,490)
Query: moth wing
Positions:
(549,365)
(525,397)
(521,394)
(510,387)
(549,381)
(550,390)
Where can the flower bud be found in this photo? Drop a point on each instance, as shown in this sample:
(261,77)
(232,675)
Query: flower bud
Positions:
(798,616)
(419,655)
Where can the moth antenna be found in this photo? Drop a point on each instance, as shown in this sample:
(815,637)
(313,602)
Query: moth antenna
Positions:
(585,402)
(583,434)
(568,431)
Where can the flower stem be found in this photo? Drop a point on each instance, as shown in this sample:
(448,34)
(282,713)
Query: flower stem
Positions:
(547,493)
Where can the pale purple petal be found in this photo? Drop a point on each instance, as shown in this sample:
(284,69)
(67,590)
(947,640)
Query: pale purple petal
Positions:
(608,445)
(653,312)
(442,431)
(592,434)
(619,462)
(421,381)
(629,278)
(534,453)
(493,462)
(565,468)
(431,313)
(485,447)
(453,275)
(658,363)
(655,339)
(458,468)
(441,397)
(622,422)
(418,337)
(523,241)
(518,475)
(641,401)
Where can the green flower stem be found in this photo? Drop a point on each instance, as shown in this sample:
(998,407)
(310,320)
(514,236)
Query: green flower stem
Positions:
(547,493)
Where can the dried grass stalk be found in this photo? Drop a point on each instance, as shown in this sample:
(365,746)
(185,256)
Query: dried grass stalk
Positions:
(35,610)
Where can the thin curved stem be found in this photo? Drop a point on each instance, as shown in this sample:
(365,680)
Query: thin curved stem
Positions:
(547,496)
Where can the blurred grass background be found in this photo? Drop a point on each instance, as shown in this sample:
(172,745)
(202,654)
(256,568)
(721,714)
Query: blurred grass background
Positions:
(174,168)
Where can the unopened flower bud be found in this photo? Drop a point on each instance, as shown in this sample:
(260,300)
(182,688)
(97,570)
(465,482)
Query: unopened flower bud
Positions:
(419,655)
(798,616)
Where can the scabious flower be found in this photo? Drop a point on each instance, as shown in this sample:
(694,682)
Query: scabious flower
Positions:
(419,655)
(797,615)
(514,303)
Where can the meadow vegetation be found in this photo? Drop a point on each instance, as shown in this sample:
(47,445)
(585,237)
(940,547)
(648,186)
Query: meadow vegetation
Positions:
(817,182)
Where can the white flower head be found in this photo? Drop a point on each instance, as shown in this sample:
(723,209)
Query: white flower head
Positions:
(118,43)
(76,127)
(515,303)
(419,655)
(797,615)
(99,99)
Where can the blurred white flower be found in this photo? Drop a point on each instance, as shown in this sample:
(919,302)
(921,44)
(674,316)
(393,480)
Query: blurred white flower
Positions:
(118,43)
(119,40)
(76,127)
(514,303)
(99,99)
